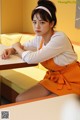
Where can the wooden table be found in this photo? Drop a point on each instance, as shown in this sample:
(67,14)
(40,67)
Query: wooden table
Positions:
(13,62)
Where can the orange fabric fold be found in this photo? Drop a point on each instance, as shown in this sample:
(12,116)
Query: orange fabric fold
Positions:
(57,78)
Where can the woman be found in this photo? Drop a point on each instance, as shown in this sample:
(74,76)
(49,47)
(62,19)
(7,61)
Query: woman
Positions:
(54,51)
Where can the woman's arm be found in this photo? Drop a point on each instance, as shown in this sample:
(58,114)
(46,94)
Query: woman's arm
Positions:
(29,45)
(18,48)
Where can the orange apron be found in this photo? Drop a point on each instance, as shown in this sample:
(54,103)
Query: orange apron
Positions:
(61,80)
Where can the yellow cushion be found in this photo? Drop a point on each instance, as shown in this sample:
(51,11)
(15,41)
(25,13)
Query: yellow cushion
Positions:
(26,37)
(77,50)
(9,39)
(23,78)
(42,67)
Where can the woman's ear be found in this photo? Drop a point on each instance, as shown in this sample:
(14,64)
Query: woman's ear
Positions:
(52,24)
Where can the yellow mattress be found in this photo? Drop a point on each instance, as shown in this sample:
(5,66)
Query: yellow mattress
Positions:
(77,50)
(22,79)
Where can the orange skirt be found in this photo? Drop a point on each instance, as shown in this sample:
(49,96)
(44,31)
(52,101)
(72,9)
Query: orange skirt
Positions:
(65,81)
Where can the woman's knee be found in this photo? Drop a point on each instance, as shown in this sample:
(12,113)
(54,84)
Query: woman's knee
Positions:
(21,97)
(18,98)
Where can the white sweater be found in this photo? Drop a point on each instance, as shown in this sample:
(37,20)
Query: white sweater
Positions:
(59,48)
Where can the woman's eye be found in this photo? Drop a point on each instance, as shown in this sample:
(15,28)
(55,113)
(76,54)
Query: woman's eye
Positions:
(34,22)
(42,22)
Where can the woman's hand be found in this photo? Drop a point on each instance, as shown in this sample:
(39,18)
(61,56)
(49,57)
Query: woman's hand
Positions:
(7,52)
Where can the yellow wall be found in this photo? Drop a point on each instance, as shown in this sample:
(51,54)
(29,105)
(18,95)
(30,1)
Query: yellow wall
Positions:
(0,16)
(12,16)
(16,17)
(66,19)
(28,6)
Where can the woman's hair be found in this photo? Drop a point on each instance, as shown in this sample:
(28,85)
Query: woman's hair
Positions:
(47,11)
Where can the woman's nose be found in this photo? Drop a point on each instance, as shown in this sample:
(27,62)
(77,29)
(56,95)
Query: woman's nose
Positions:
(37,25)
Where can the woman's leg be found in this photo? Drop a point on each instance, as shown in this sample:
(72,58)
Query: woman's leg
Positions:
(36,91)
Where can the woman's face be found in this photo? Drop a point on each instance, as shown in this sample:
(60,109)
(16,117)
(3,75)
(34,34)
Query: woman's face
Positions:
(40,26)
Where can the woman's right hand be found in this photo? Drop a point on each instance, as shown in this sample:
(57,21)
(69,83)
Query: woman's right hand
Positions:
(7,52)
